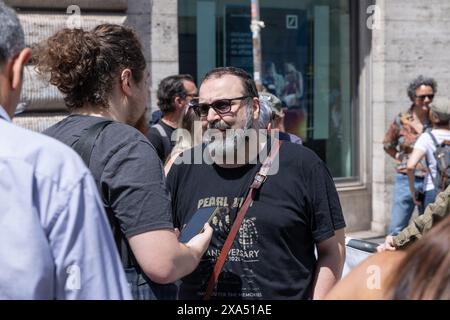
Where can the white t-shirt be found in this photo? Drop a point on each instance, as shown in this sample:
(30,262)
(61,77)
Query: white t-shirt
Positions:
(425,143)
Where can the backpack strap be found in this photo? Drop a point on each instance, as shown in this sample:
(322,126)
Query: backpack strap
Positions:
(436,144)
(165,139)
(85,144)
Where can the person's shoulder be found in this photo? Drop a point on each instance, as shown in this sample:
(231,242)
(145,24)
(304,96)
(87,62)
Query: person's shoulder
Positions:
(442,134)
(295,153)
(375,271)
(154,135)
(119,136)
(122,133)
(189,159)
(424,139)
(44,154)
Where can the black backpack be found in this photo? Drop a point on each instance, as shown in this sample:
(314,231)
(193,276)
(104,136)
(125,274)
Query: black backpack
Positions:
(442,156)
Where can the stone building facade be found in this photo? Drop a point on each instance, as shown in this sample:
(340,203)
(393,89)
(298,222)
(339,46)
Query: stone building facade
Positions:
(392,41)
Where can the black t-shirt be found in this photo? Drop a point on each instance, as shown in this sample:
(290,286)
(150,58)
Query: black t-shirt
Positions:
(273,254)
(162,144)
(128,172)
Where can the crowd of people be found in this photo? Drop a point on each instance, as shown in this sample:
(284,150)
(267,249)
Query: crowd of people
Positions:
(96,203)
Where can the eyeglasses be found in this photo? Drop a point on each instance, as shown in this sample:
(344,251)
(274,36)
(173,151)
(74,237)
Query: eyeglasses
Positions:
(221,106)
(423,97)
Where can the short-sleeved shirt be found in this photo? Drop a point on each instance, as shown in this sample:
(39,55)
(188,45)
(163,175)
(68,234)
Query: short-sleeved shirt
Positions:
(426,144)
(128,172)
(401,137)
(162,142)
(273,254)
(55,241)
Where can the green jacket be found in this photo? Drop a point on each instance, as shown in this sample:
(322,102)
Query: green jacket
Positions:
(434,213)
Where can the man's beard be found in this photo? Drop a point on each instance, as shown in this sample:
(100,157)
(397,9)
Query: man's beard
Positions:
(233,142)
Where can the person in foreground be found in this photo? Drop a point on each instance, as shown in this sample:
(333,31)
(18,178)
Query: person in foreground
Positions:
(55,241)
(421,272)
(295,210)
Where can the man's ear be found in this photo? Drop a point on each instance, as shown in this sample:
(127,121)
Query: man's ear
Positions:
(18,64)
(125,81)
(178,102)
(255,107)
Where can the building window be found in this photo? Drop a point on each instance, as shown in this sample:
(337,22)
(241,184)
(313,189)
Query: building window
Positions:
(306,58)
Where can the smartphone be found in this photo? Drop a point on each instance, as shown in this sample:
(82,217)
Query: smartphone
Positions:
(195,225)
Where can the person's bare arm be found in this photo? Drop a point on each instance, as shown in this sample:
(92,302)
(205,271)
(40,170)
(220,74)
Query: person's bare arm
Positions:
(330,262)
(163,258)
(368,280)
(413,160)
(169,162)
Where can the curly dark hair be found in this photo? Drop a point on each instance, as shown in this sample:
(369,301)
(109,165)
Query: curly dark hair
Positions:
(83,65)
(418,82)
(169,88)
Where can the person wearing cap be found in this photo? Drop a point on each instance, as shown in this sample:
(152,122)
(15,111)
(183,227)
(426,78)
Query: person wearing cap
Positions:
(272,117)
(426,146)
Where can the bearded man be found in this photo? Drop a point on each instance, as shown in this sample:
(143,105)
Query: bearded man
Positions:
(296,209)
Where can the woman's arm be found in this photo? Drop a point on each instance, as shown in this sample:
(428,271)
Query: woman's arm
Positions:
(368,280)
(413,160)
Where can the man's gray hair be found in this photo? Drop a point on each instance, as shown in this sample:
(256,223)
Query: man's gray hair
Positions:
(265,112)
(418,82)
(12,38)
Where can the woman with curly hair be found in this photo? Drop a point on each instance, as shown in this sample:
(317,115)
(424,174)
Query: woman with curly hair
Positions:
(103,77)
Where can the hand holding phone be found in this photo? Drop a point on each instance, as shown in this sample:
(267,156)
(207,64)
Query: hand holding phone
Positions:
(197,222)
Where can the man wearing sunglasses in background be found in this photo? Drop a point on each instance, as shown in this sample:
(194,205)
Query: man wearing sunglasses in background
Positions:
(399,143)
(174,94)
(295,210)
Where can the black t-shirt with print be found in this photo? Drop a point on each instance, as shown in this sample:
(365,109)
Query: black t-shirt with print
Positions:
(272,256)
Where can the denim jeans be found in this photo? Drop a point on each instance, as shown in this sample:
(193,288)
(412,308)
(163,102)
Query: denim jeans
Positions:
(430,197)
(403,204)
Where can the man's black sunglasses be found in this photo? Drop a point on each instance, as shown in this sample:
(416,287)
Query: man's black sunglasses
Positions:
(221,106)
(423,97)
